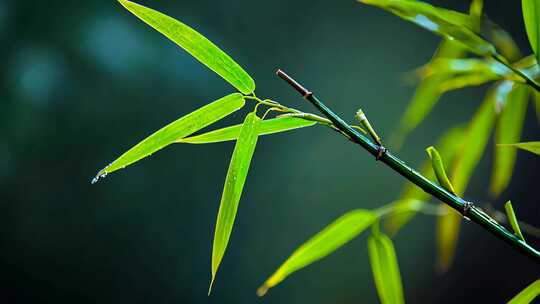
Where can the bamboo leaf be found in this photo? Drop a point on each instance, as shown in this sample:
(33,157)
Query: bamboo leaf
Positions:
(531,146)
(527,295)
(513,220)
(195,44)
(472,147)
(428,92)
(322,244)
(537,104)
(385,268)
(438,168)
(269,126)
(447,147)
(182,127)
(449,24)
(447,232)
(531,16)
(508,130)
(232,190)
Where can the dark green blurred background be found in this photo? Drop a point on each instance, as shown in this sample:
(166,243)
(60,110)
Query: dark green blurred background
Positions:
(82,81)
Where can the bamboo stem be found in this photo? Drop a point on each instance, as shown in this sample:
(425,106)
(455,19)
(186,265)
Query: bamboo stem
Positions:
(468,210)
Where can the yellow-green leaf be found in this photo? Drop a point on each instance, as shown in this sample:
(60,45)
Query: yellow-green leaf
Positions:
(322,244)
(438,167)
(269,126)
(508,130)
(195,44)
(471,149)
(527,295)
(537,104)
(385,268)
(182,127)
(428,91)
(513,219)
(473,144)
(531,16)
(232,190)
(447,147)
(531,146)
(447,232)
(446,23)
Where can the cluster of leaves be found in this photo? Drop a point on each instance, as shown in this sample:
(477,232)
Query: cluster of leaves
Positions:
(504,107)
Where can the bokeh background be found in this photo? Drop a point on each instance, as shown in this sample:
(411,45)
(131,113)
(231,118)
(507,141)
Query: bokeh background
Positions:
(82,81)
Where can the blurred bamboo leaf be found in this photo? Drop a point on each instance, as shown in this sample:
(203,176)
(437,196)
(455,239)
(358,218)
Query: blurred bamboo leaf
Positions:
(500,38)
(471,149)
(447,232)
(531,146)
(447,146)
(195,44)
(528,294)
(269,126)
(513,220)
(182,127)
(428,92)
(232,190)
(531,16)
(385,268)
(508,130)
(449,24)
(322,244)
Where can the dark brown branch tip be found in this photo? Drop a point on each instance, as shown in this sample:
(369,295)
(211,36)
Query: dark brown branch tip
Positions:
(298,87)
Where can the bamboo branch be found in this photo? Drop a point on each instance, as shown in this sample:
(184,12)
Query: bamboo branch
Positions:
(467,209)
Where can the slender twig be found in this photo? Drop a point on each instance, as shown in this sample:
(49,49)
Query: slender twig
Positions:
(525,77)
(467,209)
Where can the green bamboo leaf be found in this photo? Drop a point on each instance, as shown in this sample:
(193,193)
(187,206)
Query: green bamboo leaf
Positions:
(471,149)
(447,232)
(508,130)
(473,145)
(531,16)
(195,44)
(527,295)
(322,244)
(232,190)
(531,146)
(270,126)
(513,220)
(385,268)
(447,147)
(438,167)
(427,94)
(449,24)
(182,127)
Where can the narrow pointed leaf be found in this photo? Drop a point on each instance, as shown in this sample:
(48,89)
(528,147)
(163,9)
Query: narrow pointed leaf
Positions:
(322,244)
(385,269)
(428,92)
(446,23)
(513,219)
(537,105)
(447,232)
(195,44)
(527,295)
(447,146)
(508,130)
(531,16)
(269,126)
(438,168)
(531,146)
(232,191)
(182,127)
(471,149)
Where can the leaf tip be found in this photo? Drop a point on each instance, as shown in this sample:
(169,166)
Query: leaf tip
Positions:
(101,174)
(261,291)
(211,284)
